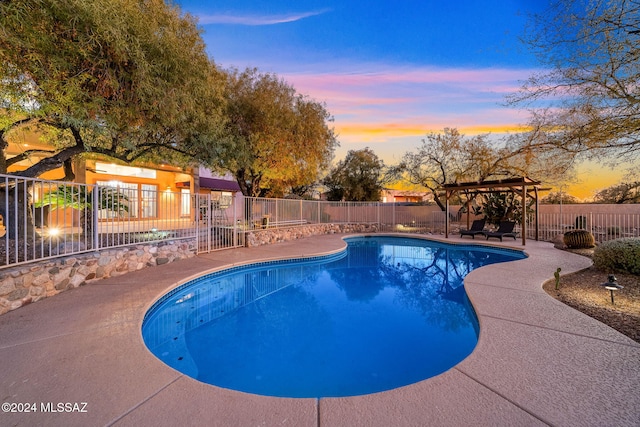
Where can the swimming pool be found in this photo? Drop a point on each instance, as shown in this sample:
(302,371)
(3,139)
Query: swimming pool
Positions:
(387,312)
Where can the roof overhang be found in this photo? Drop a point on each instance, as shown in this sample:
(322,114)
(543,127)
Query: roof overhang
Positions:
(215,184)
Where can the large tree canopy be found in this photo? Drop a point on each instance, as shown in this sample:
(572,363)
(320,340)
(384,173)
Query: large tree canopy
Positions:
(449,157)
(586,101)
(126,79)
(359,177)
(625,192)
(275,138)
(558,198)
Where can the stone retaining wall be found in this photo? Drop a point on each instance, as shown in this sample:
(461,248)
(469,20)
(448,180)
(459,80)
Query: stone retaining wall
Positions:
(28,283)
(275,235)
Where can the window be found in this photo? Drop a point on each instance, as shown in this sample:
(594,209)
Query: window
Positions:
(221,199)
(111,169)
(185,202)
(139,200)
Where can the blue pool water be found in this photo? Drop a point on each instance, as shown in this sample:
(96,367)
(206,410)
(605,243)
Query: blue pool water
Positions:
(385,313)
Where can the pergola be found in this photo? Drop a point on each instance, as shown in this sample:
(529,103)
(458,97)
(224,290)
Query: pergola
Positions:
(521,186)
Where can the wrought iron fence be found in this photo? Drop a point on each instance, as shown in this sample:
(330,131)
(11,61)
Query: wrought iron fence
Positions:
(603,226)
(261,213)
(264,214)
(45,219)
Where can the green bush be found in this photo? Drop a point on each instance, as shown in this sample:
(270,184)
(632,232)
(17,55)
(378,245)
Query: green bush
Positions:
(620,255)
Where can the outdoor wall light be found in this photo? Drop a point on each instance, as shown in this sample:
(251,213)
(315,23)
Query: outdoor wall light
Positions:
(612,285)
(53,232)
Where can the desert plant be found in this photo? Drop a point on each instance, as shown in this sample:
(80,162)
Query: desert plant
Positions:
(620,256)
(579,239)
(79,197)
(556,274)
(506,206)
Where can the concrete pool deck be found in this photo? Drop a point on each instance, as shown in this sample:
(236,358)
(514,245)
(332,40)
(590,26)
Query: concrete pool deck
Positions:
(537,362)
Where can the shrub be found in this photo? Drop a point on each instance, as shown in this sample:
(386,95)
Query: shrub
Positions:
(579,239)
(620,255)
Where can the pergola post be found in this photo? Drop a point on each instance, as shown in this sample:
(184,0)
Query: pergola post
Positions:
(468,212)
(523,229)
(535,191)
(446,213)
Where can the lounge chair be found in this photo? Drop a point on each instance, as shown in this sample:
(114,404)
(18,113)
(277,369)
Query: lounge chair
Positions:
(477,227)
(504,230)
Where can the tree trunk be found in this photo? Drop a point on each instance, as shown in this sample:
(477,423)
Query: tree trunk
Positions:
(3,157)
(50,163)
(438,201)
(18,218)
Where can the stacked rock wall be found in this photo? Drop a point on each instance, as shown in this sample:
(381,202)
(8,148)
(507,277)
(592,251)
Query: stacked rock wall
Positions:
(275,235)
(28,283)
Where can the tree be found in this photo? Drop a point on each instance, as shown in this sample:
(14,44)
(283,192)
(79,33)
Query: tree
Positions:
(127,80)
(275,138)
(587,101)
(359,177)
(559,197)
(626,192)
(449,157)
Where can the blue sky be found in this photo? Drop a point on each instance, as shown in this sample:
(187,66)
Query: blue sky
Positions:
(389,72)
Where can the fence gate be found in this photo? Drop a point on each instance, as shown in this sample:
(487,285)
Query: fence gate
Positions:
(216,224)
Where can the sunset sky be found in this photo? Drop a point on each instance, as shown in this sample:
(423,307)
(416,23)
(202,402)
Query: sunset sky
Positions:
(389,72)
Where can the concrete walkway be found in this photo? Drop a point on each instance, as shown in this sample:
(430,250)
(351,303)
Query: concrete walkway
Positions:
(537,362)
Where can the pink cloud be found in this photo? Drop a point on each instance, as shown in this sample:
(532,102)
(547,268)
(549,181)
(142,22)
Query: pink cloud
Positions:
(377,106)
(469,77)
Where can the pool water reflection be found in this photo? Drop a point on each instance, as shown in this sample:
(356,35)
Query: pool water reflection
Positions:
(385,313)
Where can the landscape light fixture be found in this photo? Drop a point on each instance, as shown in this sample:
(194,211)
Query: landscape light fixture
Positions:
(612,285)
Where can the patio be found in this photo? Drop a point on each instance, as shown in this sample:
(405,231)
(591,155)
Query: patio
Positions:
(538,362)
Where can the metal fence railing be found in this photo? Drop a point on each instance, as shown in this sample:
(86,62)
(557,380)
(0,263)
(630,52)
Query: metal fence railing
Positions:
(275,213)
(262,213)
(603,226)
(45,219)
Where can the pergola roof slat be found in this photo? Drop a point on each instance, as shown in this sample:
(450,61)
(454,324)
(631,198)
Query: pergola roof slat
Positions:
(493,184)
(521,186)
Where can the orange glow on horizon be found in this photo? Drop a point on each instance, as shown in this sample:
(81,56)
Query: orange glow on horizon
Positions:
(590,177)
(361,132)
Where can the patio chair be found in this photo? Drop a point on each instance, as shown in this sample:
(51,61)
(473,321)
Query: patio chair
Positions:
(477,227)
(504,230)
